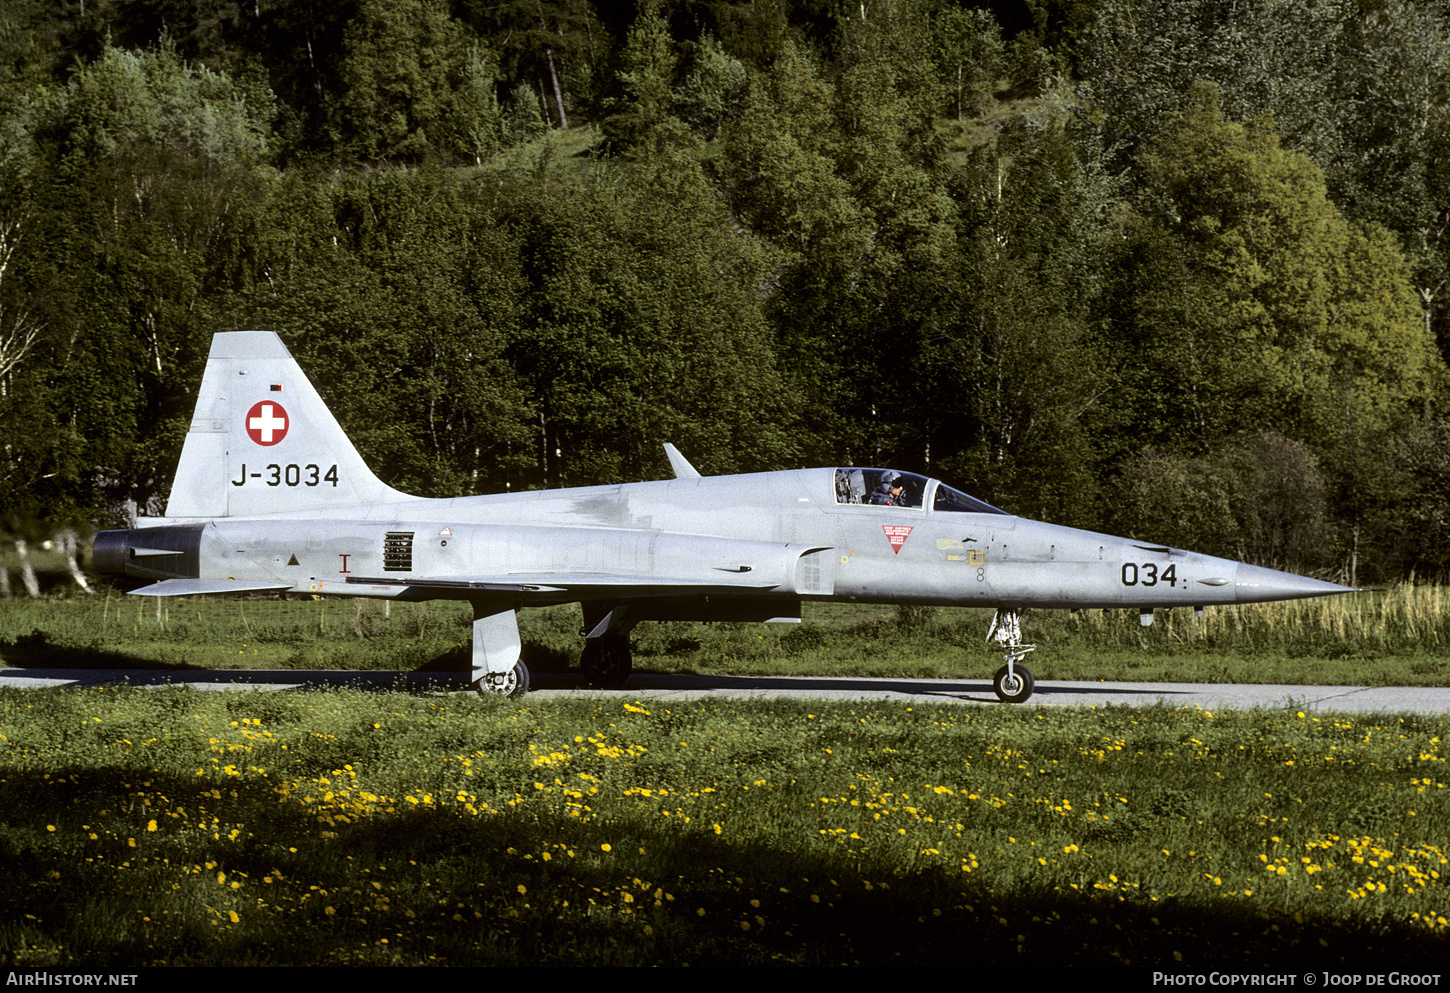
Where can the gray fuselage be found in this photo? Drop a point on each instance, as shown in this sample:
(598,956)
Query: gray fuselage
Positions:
(767,534)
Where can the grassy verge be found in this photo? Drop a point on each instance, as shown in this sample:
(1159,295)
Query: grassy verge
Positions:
(1400,637)
(181,827)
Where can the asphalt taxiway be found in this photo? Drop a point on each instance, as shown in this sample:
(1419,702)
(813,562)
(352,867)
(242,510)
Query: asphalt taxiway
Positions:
(545,686)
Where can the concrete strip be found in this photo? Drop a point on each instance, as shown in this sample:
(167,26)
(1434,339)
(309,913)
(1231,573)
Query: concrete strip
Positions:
(545,686)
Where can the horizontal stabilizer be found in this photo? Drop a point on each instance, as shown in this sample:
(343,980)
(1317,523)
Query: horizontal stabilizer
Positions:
(194,587)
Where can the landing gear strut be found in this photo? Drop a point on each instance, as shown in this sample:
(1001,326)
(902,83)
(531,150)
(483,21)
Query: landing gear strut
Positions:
(1013,682)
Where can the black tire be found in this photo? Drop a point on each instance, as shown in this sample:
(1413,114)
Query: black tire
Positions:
(514,684)
(607,661)
(1018,688)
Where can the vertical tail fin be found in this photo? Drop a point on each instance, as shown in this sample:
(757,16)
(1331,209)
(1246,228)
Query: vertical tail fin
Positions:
(262,441)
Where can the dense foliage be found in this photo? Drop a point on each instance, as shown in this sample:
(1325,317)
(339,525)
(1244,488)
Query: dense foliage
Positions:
(1171,269)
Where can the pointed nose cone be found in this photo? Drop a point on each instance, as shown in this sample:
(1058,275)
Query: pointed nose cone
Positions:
(1255,584)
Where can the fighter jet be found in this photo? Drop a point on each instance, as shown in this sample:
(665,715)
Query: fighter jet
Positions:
(270,495)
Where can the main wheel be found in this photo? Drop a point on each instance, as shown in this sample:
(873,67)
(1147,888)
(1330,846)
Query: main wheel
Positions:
(512,684)
(607,661)
(1013,687)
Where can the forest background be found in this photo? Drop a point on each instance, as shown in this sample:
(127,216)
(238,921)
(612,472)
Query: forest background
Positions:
(1167,268)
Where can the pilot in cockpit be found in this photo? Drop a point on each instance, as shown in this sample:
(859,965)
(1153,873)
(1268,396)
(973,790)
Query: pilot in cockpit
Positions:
(890,492)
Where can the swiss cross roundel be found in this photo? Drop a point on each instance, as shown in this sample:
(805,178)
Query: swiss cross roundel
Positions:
(267,422)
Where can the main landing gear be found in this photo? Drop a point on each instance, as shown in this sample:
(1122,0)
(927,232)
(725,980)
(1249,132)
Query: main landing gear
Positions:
(512,684)
(497,668)
(1013,682)
(607,660)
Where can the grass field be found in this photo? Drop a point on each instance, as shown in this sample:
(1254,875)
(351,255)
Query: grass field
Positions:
(183,827)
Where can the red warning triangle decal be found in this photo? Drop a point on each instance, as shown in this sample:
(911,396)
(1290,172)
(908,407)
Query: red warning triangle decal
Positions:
(896,534)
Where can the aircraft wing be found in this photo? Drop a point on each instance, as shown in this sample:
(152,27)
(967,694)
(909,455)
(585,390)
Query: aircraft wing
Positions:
(586,585)
(196,587)
(581,585)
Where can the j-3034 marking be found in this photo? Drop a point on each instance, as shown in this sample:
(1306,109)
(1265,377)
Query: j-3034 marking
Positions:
(289,475)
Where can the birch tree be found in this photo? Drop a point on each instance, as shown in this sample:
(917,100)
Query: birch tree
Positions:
(19,327)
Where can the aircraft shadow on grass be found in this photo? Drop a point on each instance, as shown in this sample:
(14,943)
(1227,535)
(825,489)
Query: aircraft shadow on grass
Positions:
(36,651)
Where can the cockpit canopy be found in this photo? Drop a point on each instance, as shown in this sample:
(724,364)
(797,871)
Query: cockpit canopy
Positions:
(890,488)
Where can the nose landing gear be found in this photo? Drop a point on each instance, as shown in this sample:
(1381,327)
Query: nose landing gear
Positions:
(1013,682)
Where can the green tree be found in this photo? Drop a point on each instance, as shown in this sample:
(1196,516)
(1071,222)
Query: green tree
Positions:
(398,294)
(1279,500)
(714,89)
(970,56)
(555,49)
(1365,93)
(479,128)
(779,157)
(300,43)
(842,182)
(1064,26)
(1170,498)
(1017,374)
(1323,309)
(645,120)
(641,324)
(127,100)
(145,201)
(411,81)
(1275,59)
(524,119)
(1393,167)
(1247,299)
(1418,518)
(1259,498)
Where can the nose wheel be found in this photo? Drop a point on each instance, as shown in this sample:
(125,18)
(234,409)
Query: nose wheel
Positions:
(1013,682)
